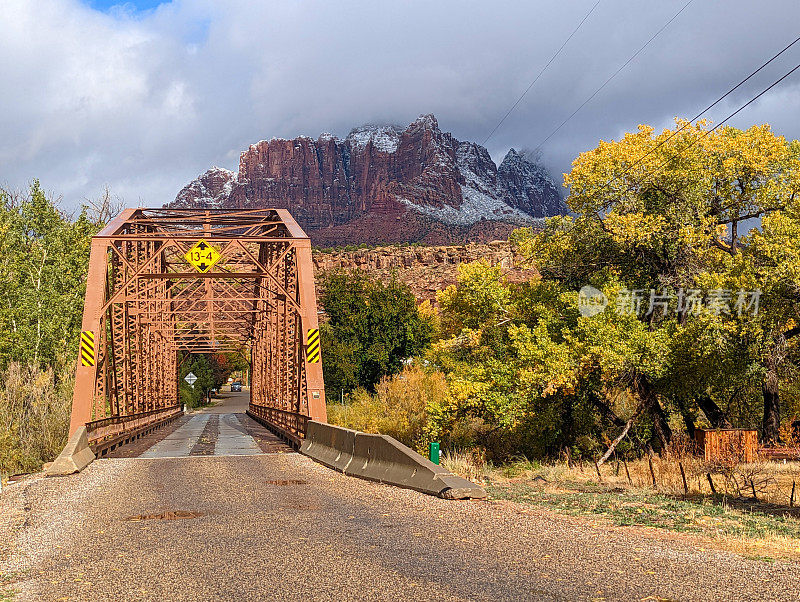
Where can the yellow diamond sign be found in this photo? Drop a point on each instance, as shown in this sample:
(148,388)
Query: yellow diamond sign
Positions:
(202,256)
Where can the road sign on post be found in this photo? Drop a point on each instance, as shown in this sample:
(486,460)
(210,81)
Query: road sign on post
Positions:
(190,378)
(202,256)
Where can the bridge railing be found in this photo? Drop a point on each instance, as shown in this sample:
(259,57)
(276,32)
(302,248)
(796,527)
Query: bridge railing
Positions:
(288,425)
(108,433)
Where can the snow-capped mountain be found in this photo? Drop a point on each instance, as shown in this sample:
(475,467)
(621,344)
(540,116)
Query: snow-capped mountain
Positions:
(384,183)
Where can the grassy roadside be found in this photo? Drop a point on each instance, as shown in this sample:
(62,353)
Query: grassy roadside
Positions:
(6,593)
(756,529)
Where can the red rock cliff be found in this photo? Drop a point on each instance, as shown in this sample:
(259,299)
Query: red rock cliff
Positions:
(384,184)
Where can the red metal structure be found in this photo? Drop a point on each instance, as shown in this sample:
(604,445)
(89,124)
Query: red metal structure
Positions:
(247,285)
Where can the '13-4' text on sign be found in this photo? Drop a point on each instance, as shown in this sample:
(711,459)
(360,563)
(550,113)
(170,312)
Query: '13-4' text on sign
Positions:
(202,256)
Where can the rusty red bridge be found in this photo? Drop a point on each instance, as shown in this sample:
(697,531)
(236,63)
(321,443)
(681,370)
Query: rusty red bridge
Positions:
(167,283)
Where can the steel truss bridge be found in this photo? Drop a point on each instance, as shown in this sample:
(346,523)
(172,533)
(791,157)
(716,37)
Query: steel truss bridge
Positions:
(166,283)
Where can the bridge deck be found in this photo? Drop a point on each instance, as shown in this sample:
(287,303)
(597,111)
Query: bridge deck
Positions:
(222,430)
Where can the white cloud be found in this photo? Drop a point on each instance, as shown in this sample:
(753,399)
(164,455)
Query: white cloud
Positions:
(145,102)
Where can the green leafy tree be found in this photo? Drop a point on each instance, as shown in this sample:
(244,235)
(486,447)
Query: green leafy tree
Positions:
(533,373)
(371,328)
(480,298)
(42,278)
(201,367)
(45,255)
(651,212)
(663,212)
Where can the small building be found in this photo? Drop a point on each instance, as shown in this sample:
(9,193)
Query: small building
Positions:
(727,444)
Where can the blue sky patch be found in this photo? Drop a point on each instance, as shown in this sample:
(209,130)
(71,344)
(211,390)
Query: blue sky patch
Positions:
(135,5)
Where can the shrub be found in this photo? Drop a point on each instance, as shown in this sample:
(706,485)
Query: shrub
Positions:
(397,408)
(34,416)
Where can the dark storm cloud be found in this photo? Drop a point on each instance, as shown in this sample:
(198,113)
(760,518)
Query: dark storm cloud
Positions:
(146,101)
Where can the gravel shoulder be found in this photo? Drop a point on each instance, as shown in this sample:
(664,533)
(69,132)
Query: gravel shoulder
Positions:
(280,526)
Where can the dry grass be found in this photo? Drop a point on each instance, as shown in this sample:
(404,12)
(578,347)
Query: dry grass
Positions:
(733,519)
(772,480)
(34,416)
(470,465)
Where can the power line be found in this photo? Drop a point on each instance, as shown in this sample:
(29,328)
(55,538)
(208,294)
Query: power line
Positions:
(755,98)
(712,105)
(514,106)
(605,83)
(720,124)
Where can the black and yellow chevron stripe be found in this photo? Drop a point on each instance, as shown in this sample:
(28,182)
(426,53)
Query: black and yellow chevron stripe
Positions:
(87,348)
(312,349)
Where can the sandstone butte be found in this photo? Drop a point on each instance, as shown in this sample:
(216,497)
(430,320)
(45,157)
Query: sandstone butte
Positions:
(385,184)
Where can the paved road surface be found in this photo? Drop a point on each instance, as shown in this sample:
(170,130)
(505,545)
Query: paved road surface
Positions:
(221,430)
(278,526)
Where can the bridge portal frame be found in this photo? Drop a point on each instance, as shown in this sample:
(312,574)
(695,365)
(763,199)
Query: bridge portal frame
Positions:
(144,303)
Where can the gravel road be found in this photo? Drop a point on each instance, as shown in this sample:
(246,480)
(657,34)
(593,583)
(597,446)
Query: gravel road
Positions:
(279,526)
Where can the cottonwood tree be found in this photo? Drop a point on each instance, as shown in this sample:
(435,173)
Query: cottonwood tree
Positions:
(660,214)
(663,212)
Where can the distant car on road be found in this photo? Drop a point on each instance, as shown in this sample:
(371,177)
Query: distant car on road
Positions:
(236,387)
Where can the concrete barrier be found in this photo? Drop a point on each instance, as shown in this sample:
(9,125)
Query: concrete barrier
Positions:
(384,459)
(76,456)
(329,445)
